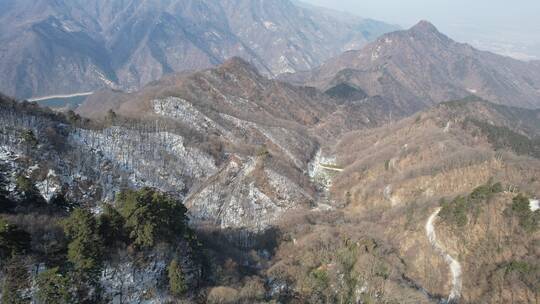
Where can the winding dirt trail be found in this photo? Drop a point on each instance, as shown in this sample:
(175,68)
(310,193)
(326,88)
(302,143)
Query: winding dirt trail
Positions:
(455,267)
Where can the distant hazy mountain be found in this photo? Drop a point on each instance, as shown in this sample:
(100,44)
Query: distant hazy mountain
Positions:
(61,46)
(420,67)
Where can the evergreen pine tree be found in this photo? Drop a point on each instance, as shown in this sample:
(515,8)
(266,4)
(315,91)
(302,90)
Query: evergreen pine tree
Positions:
(16,281)
(177,282)
(13,241)
(53,287)
(85,250)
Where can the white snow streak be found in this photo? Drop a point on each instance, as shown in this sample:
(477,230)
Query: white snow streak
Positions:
(534,205)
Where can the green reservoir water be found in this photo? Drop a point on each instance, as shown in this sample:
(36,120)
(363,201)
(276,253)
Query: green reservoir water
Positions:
(70,102)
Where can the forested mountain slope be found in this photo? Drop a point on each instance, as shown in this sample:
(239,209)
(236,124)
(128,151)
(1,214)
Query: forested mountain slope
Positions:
(60,47)
(419,67)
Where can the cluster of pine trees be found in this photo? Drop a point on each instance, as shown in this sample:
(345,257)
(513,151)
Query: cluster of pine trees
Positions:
(70,273)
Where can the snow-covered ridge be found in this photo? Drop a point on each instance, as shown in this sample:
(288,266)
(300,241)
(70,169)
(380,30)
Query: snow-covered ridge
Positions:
(150,159)
(287,190)
(276,135)
(182,110)
(234,201)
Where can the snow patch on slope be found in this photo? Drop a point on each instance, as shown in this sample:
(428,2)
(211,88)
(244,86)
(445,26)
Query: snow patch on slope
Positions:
(234,200)
(534,205)
(287,190)
(7,155)
(156,159)
(49,186)
(318,173)
(184,111)
(126,283)
(270,26)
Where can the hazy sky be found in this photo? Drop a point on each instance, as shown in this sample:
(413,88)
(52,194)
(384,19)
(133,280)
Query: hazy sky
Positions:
(505,26)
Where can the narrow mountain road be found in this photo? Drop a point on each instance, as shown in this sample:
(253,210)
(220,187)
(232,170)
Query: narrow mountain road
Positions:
(60,96)
(455,267)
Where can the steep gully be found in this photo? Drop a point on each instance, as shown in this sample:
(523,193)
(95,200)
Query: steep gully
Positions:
(455,267)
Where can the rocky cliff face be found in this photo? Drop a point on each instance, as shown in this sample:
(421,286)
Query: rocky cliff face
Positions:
(72,46)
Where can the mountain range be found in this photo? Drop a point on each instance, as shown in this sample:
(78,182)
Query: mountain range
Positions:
(404,170)
(419,67)
(59,47)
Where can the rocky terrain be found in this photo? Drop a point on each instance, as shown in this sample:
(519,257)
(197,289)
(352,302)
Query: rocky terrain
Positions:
(435,156)
(420,67)
(272,181)
(225,185)
(462,142)
(61,47)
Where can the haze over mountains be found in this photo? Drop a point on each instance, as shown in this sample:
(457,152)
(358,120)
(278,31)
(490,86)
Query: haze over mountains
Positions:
(402,171)
(475,22)
(54,47)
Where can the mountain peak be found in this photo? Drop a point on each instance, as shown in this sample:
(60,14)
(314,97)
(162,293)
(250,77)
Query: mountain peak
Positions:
(239,65)
(424,26)
(236,62)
